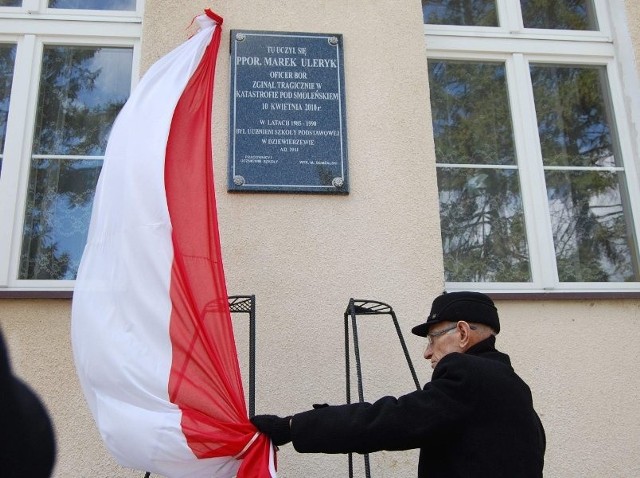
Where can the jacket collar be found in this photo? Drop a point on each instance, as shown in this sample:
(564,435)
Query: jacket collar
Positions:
(486,345)
(487,349)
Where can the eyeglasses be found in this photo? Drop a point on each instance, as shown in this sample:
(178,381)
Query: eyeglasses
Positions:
(431,337)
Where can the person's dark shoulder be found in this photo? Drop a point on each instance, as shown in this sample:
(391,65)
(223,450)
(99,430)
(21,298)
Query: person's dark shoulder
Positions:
(456,360)
(454,366)
(489,374)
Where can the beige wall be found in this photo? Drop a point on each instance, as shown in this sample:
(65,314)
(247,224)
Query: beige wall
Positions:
(304,256)
(633,16)
(580,359)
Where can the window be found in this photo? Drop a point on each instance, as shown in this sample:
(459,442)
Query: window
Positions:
(61,86)
(535,156)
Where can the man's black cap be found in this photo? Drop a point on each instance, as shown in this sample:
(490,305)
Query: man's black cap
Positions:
(454,306)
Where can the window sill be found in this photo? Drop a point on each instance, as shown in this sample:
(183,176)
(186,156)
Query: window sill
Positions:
(36,294)
(495,295)
(581,295)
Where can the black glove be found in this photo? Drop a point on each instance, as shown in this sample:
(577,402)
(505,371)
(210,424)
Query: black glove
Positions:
(320,405)
(276,428)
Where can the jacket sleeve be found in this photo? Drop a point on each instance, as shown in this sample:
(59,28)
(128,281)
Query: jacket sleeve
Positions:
(403,423)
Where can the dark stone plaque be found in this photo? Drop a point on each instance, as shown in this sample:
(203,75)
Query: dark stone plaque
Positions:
(287,115)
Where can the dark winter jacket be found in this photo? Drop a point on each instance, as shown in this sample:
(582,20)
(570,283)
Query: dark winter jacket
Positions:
(474,419)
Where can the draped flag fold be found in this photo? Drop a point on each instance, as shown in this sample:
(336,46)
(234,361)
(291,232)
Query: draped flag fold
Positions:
(151,327)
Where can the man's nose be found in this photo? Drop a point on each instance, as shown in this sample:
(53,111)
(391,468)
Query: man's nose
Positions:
(428,352)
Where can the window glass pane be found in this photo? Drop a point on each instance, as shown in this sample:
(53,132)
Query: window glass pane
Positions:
(482,223)
(58,212)
(460,12)
(589,205)
(573,114)
(94,4)
(81,91)
(559,14)
(7,59)
(592,240)
(470,113)
(10,3)
(481,212)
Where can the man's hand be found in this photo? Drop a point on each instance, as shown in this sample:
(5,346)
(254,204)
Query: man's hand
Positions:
(276,428)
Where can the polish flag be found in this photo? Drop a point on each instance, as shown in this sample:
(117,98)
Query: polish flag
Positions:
(151,328)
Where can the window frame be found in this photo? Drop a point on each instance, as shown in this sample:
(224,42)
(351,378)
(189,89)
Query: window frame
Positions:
(517,47)
(39,9)
(31,35)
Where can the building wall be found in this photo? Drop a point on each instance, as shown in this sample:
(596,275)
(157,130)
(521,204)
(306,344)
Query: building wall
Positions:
(304,256)
(633,13)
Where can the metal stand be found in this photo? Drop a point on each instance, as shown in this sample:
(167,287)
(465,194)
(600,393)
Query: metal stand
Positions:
(367,307)
(245,304)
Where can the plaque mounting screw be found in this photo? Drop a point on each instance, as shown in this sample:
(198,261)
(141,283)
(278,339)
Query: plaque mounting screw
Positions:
(337,182)
(240,36)
(238,180)
(333,41)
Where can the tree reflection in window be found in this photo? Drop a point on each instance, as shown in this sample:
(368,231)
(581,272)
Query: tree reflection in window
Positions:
(483,230)
(94,4)
(460,12)
(585,180)
(481,212)
(10,3)
(7,59)
(81,91)
(559,14)
(58,214)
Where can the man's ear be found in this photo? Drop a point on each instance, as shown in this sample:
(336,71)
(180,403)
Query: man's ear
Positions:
(465,335)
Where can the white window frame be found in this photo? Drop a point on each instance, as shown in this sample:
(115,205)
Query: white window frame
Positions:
(31,27)
(516,47)
(39,9)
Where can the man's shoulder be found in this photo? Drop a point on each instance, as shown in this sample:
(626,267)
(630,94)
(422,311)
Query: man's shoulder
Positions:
(488,373)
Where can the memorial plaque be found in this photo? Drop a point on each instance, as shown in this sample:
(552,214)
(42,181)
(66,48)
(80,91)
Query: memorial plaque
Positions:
(287,126)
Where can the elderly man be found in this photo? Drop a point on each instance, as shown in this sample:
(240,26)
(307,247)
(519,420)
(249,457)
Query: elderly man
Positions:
(474,419)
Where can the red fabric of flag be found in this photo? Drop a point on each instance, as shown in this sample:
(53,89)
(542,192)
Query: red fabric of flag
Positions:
(205,380)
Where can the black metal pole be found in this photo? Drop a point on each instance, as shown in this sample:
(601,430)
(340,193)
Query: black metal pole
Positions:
(405,350)
(348,370)
(356,351)
(252,357)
